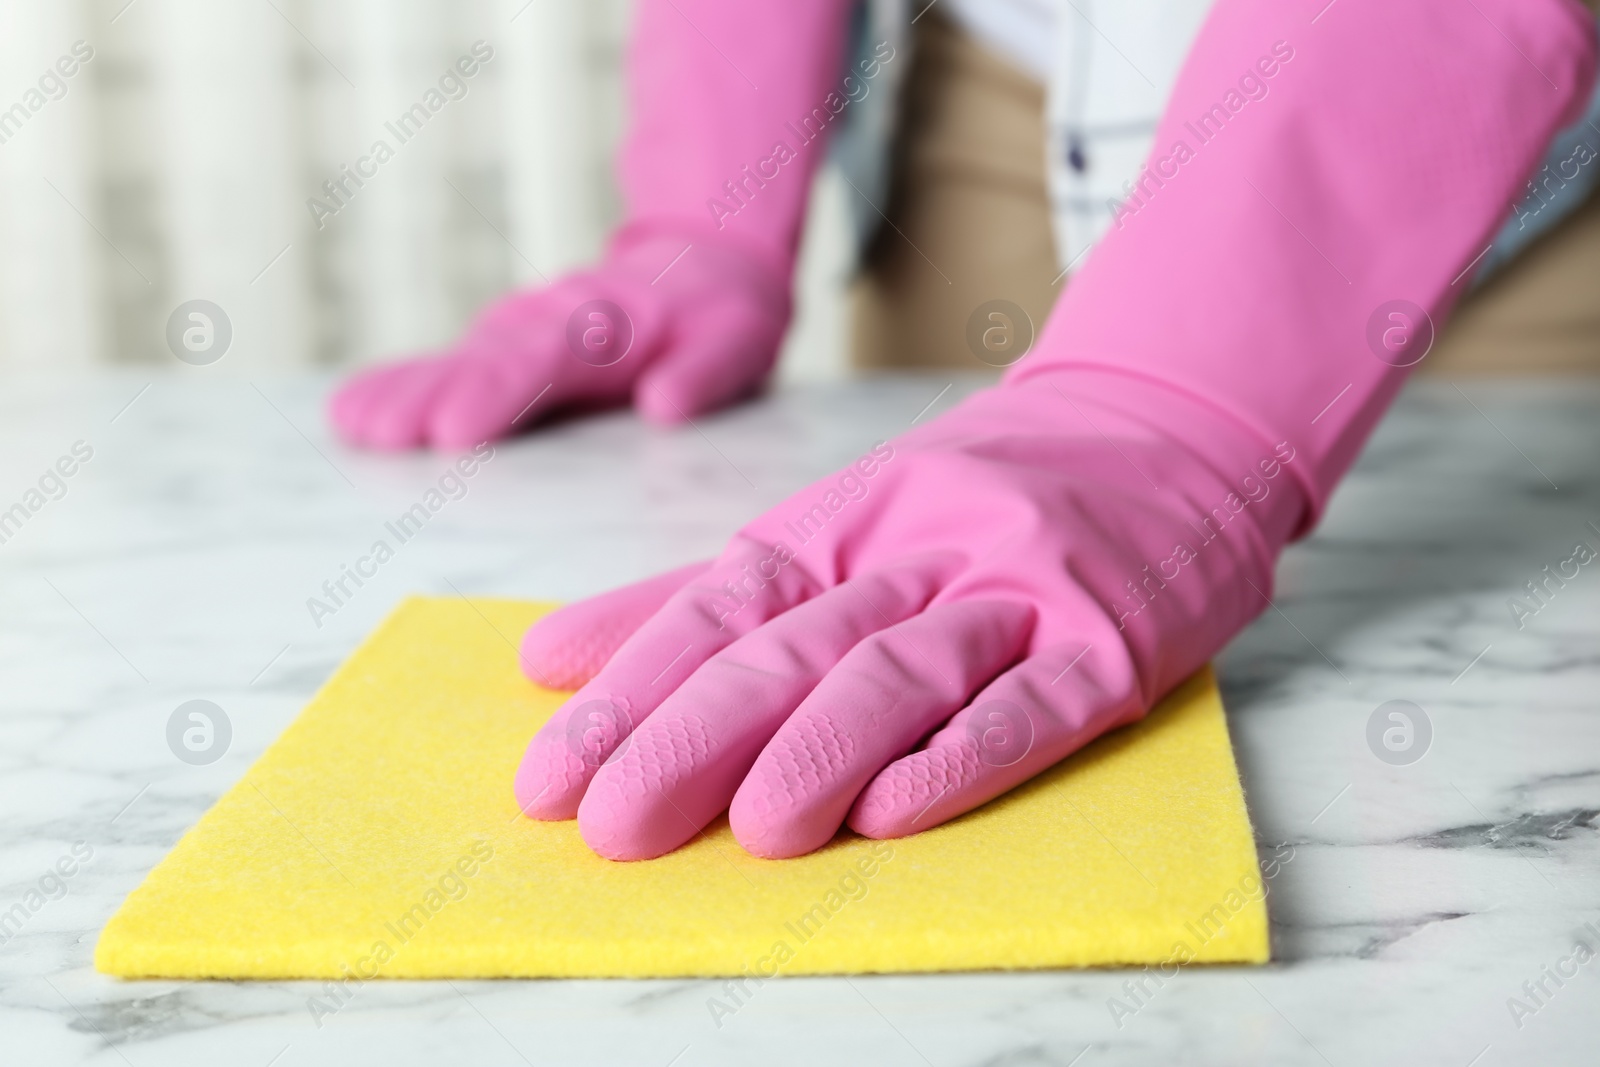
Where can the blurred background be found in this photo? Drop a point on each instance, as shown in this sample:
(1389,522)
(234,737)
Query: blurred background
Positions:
(186,155)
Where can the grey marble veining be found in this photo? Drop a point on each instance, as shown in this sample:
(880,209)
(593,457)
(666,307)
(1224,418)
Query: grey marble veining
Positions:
(1409,902)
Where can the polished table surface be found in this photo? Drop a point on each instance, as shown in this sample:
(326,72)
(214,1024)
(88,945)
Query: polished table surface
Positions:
(1411,900)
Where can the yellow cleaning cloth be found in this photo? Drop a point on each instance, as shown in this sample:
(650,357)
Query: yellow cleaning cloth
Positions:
(379,837)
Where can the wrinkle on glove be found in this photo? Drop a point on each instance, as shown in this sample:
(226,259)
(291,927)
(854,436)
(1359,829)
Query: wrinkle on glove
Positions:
(685,312)
(1044,562)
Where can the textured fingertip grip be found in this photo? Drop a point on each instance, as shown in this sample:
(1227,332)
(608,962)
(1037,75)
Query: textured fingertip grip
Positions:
(568,647)
(902,799)
(550,781)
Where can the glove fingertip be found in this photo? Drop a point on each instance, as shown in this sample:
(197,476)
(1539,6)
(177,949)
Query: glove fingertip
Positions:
(345,405)
(350,407)
(917,793)
(550,781)
(563,650)
(569,646)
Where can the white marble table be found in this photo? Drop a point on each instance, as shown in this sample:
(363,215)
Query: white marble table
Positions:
(1415,900)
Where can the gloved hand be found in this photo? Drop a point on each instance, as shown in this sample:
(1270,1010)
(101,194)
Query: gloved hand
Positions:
(1006,578)
(1049,559)
(703,335)
(700,267)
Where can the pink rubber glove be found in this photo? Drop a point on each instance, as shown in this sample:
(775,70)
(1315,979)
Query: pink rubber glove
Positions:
(703,294)
(961,609)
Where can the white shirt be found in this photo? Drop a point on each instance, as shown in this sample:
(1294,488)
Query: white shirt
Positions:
(1110,66)
(1024,31)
